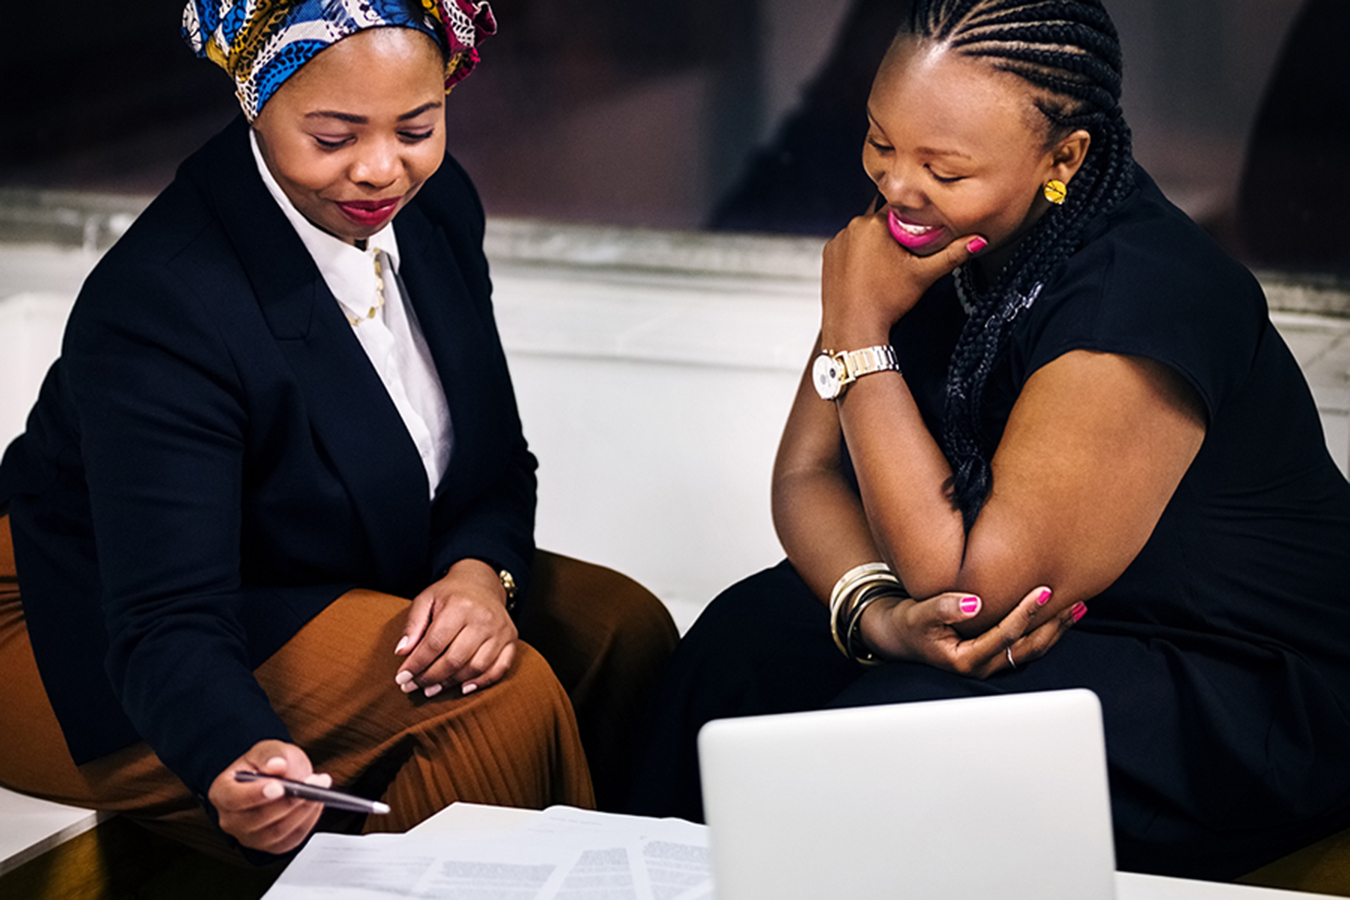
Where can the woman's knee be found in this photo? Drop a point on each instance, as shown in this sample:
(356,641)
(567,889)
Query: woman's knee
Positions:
(583,617)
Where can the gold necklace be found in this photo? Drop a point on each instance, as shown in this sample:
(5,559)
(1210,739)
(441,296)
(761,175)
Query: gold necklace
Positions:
(379,293)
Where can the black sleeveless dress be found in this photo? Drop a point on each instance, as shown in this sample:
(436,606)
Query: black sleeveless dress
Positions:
(1221,655)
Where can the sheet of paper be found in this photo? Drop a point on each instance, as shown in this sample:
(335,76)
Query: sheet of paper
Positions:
(677,868)
(496,872)
(562,817)
(674,851)
(476,818)
(481,853)
(606,873)
(701,892)
(381,867)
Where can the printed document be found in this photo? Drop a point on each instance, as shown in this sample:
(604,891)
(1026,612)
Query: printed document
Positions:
(563,853)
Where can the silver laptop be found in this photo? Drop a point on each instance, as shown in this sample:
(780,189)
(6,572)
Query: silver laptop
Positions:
(1002,798)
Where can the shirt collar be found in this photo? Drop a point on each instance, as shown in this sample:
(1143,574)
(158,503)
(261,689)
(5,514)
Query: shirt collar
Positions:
(348,271)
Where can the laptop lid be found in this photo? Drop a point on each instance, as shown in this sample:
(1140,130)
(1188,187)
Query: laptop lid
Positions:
(998,797)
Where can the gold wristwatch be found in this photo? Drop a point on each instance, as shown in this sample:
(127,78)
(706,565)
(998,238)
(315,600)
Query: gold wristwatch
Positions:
(509,585)
(833,372)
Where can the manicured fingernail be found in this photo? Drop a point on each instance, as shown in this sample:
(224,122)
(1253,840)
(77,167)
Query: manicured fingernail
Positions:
(434,690)
(408,687)
(1079,611)
(276,761)
(402,642)
(970,605)
(273,790)
(977,244)
(1044,598)
(403,678)
(467,689)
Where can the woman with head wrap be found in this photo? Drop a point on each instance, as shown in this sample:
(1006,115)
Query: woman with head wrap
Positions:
(276,417)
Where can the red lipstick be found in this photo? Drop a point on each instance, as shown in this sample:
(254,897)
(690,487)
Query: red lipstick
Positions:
(370,213)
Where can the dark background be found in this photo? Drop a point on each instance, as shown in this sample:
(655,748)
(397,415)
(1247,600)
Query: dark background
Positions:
(742,114)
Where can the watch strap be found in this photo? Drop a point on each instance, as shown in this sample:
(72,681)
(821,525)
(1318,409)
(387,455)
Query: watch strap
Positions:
(509,585)
(868,361)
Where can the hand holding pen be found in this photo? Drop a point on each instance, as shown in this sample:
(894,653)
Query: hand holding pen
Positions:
(259,813)
(325,795)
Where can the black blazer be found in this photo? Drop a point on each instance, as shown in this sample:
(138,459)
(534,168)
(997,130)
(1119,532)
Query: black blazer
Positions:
(213,460)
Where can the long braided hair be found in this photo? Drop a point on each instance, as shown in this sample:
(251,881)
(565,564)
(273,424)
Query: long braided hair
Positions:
(1070,52)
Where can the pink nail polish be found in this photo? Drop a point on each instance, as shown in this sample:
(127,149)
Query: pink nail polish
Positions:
(403,677)
(977,244)
(970,605)
(408,687)
(433,690)
(402,642)
(1079,611)
(468,689)
(1044,598)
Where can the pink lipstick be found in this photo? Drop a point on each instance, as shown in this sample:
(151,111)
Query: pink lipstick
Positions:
(370,213)
(913,236)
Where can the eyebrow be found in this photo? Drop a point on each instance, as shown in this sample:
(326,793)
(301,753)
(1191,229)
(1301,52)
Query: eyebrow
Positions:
(362,120)
(934,151)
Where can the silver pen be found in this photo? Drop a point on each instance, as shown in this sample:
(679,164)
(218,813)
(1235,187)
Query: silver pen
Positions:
(326,796)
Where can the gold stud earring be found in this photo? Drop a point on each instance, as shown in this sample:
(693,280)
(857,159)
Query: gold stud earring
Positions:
(1056,191)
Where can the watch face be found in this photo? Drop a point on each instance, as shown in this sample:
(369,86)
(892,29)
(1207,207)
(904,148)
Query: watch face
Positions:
(826,374)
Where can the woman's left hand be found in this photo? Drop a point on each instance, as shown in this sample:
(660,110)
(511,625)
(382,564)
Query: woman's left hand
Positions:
(458,632)
(869,282)
(913,631)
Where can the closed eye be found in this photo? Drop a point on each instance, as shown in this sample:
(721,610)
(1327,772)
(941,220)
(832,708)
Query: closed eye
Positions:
(944,179)
(414,137)
(878,146)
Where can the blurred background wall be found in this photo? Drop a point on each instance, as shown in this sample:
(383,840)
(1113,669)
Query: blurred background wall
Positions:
(640,112)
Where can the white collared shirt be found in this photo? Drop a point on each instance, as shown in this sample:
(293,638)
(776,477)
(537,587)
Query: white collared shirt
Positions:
(392,338)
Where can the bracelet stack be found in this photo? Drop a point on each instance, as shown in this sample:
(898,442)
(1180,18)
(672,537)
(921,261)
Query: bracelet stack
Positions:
(852,595)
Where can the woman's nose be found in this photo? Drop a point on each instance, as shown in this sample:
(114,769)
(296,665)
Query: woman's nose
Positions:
(900,188)
(378,166)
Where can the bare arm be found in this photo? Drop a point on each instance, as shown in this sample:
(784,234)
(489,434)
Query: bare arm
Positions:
(825,531)
(1095,447)
(819,519)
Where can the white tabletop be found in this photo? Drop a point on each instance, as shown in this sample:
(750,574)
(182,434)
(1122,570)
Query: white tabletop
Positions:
(30,827)
(1130,886)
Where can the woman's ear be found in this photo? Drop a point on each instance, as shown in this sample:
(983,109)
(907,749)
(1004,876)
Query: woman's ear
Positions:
(1067,156)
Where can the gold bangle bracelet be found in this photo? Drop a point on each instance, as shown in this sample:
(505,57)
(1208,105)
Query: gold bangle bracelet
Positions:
(856,572)
(843,603)
(855,626)
(848,591)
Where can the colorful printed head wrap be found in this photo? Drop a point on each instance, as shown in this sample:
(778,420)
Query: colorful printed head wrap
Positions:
(261,43)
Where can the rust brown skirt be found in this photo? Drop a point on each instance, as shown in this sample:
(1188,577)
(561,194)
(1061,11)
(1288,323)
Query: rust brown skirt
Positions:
(514,744)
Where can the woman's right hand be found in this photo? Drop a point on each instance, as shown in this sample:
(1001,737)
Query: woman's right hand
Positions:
(922,631)
(257,813)
(869,282)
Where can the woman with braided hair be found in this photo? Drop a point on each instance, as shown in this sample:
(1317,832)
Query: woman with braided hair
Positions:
(1043,389)
(274,505)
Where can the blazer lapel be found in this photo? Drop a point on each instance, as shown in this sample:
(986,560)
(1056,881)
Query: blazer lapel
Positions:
(353,419)
(454,334)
